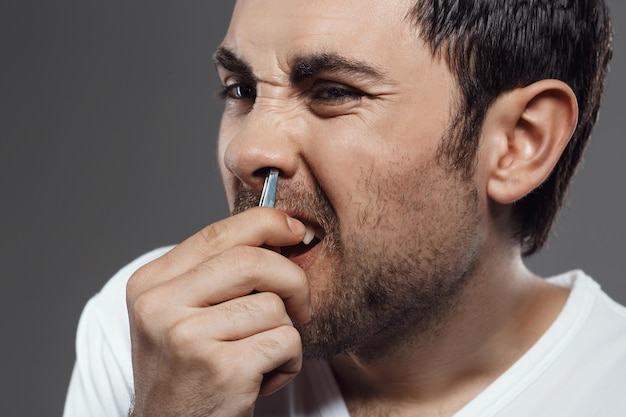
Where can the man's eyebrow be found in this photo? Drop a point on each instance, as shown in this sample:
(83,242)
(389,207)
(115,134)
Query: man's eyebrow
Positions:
(311,65)
(228,60)
(303,67)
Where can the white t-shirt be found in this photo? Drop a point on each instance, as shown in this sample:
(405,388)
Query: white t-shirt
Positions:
(576,369)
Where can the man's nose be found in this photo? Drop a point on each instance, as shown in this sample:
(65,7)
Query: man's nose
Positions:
(268,138)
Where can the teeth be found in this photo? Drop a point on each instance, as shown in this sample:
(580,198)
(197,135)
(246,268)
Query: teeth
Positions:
(309,235)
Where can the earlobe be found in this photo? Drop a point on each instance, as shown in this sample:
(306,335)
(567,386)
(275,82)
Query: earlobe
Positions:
(524,135)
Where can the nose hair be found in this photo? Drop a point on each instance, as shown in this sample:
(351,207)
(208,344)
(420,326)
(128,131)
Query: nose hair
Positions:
(266,139)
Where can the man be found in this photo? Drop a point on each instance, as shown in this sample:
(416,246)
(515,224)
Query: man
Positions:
(428,145)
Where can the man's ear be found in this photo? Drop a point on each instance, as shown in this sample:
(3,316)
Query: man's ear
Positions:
(524,134)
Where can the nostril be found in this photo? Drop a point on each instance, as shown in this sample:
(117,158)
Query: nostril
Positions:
(268,195)
(261,172)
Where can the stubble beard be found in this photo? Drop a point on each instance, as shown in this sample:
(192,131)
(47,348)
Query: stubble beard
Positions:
(386,291)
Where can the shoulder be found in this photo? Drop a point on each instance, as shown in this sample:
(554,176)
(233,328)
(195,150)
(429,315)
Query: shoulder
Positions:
(586,292)
(598,328)
(110,302)
(117,284)
(106,310)
(108,307)
(575,369)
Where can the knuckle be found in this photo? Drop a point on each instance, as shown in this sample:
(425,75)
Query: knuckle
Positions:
(273,305)
(268,348)
(182,339)
(226,367)
(136,282)
(283,338)
(265,304)
(289,337)
(235,310)
(242,259)
(187,341)
(212,233)
(142,310)
(244,255)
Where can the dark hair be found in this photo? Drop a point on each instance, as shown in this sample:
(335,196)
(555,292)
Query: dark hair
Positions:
(492,46)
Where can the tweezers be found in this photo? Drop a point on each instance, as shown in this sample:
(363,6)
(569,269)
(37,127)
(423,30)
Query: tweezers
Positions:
(268,195)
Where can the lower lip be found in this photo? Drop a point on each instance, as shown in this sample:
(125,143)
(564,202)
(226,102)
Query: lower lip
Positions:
(307,259)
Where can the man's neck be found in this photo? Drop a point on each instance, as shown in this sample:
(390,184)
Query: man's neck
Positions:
(499,317)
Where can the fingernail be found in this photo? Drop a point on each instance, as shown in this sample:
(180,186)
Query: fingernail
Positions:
(296,226)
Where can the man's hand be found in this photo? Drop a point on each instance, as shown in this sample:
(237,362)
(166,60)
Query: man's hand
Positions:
(211,321)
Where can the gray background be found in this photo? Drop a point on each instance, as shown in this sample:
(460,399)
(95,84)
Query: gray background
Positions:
(107,134)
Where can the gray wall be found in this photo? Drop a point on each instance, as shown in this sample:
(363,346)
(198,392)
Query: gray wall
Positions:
(107,136)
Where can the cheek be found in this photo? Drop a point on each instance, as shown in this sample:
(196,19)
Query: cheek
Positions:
(363,164)
(340,155)
(228,130)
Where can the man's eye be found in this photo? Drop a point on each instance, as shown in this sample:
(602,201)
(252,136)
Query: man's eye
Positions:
(334,94)
(238,92)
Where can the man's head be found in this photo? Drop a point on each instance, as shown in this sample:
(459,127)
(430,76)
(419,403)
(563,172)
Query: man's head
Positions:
(364,108)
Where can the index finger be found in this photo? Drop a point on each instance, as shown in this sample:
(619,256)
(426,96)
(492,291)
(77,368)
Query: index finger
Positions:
(257,226)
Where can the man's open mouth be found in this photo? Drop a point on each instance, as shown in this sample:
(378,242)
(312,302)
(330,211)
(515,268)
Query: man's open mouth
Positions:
(305,254)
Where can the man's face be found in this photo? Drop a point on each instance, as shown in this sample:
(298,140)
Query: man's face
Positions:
(345,100)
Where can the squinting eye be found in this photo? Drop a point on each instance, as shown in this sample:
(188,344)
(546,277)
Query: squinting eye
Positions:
(332,99)
(239,92)
(335,94)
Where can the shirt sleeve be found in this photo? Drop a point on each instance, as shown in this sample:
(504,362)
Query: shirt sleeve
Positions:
(101,383)
(102,380)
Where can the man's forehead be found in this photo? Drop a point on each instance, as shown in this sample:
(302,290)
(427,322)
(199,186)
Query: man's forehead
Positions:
(306,21)
(329,7)
(301,34)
